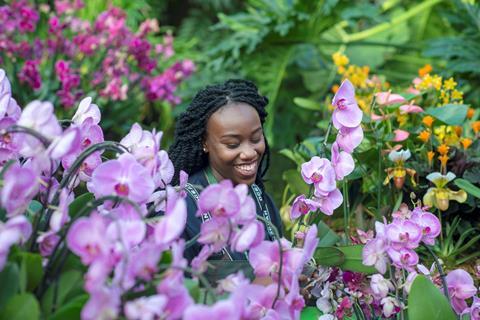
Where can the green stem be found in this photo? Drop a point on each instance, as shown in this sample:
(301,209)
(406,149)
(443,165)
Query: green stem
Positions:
(346,212)
(379,180)
(440,271)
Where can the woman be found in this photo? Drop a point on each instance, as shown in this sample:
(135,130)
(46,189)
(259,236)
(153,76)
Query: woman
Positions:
(220,136)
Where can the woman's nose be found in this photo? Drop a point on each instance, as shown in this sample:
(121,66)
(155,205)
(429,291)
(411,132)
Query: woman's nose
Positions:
(248,153)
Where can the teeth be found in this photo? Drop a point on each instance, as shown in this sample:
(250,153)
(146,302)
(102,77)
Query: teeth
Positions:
(247,167)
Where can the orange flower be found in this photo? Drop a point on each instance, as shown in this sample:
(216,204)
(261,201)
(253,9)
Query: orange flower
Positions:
(458,130)
(425,70)
(476,126)
(466,142)
(335,88)
(428,120)
(443,162)
(443,149)
(470,113)
(430,155)
(424,136)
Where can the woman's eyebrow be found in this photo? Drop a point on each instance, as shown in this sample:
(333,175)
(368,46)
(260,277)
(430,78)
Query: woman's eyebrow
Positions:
(234,135)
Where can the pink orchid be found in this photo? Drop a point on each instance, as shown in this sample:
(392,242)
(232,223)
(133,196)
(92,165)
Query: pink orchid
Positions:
(123,177)
(19,187)
(60,214)
(248,236)
(104,303)
(143,145)
(400,135)
(142,264)
(220,200)
(215,233)
(199,263)
(346,113)
(374,255)
(86,238)
(171,225)
(429,223)
(349,138)
(327,203)
(151,307)
(128,233)
(404,234)
(388,98)
(474,309)
(300,207)
(460,287)
(410,108)
(164,171)
(86,109)
(221,310)
(380,286)
(248,211)
(16,230)
(65,144)
(342,162)
(261,300)
(265,259)
(403,258)
(47,242)
(376,117)
(320,172)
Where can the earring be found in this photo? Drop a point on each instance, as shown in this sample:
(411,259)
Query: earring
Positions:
(205,149)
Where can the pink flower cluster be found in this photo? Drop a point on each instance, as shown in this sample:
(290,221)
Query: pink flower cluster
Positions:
(324,173)
(397,241)
(121,59)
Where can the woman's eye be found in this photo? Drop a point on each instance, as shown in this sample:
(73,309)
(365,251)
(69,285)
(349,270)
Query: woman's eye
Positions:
(232,145)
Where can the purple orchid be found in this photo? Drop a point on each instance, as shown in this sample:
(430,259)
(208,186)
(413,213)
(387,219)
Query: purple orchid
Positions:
(429,223)
(151,307)
(380,286)
(349,138)
(172,224)
(65,144)
(404,234)
(248,211)
(373,254)
(104,303)
(47,242)
(474,309)
(403,258)
(19,187)
(16,230)
(220,200)
(215,232)
(248,236)
(301,206)
(164,172)
(123,177)
(460,287)
(86,109)
(327,203)
(346,113)
(60,214)
(342,162)
(320,172)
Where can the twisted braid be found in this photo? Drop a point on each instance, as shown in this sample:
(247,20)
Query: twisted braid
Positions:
(186,152)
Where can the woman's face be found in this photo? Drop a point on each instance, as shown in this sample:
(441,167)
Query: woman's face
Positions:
(234,142)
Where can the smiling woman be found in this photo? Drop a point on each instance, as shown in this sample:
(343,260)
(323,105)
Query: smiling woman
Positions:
(220,137)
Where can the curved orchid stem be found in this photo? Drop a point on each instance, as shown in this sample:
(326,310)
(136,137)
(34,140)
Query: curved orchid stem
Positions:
(346,212)
(21,129)
(277,236)
(440,271)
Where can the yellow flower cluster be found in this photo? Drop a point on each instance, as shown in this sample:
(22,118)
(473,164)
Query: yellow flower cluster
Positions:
(449,93)
(356,74)
(429,81)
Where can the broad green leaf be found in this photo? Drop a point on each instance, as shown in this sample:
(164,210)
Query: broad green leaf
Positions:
(9,282)
(327,236)
(70,282)
(307,104)
(295,181)
(193,288)
(31,270)
(468,187)
(79,203)
(310,313)
(21,307)
(353,260)
(426,301)
(329,256)
(33,208)
(70,310)
(298,159)
(450,114)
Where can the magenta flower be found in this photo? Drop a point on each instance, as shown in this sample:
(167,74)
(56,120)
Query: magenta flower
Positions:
(320,172)
(220,200)
(429,223)
(47,242)
(86,238)
(248,236)
(342,162)
(349,138)
(404,234)
(20,185)
(346,113)
(30,74)
(460,287)
(123,177)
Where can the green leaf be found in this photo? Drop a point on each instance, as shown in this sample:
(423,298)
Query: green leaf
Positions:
(329,256)
(31,270)
(310,313)
(21,307)
(9,280)
(307,104)
(327,236)
(353,260)
(295,181)
(468,187)
(79,203)
(193,288)
(298,159)
(450,114)
(70,282)
(71,310)
(426,301)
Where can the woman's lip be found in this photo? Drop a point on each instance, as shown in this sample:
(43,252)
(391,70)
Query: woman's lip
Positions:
(247,170)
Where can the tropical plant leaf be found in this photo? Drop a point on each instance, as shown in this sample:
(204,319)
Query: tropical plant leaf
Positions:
(468,187)
(9,278)
(21,307)
(329,256)
(327,236)
(353,260)
(426,301)
(295,181)
(450,114)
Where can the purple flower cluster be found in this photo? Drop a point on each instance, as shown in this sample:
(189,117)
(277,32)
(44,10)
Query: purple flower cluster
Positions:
(324,173)
(397,241)
(121,59)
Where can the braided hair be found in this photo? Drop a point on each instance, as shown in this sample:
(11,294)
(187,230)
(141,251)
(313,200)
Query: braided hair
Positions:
(186,152)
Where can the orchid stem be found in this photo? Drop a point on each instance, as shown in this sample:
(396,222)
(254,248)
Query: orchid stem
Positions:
(346,212)
(379,180)
(440,271)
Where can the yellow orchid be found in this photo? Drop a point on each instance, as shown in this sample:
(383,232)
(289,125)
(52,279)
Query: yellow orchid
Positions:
(398,172)
(440,196)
